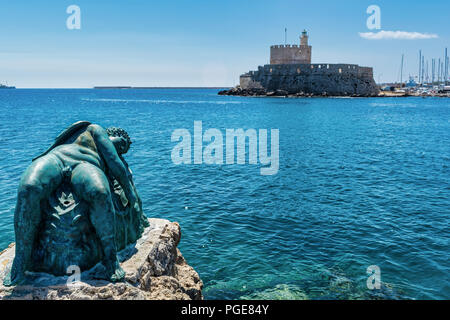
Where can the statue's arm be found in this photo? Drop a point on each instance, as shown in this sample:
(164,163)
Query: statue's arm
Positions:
(115,165)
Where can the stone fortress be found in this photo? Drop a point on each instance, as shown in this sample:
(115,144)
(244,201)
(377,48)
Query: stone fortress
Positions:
(291,72)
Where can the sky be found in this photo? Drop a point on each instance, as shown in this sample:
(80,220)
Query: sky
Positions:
(206,43)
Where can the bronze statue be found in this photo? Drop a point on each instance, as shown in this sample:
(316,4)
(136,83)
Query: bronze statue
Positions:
(77,205)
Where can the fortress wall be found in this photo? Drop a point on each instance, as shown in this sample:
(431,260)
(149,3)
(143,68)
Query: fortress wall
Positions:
(322,68)
(365,72)
(246,81)
(290,54)
(335,79)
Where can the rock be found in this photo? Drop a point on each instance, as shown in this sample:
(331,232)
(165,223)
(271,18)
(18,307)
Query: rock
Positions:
(279,292)
(155,269)
(281,93)
(238,91)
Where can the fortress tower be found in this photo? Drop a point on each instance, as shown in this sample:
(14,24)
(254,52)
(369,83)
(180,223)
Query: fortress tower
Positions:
(292,54)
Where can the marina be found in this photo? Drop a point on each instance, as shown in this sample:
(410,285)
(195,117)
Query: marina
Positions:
(432,79)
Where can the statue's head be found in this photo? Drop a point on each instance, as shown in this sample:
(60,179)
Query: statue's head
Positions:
(120,139)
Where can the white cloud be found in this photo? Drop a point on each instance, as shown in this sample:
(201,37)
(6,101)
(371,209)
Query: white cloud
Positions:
(397,35)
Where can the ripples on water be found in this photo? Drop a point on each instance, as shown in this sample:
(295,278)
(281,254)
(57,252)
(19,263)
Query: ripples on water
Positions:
(361,182)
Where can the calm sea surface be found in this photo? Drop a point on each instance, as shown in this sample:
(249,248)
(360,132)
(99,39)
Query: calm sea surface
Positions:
(361,182)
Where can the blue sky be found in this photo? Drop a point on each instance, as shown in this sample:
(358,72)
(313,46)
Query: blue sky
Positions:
(202,43)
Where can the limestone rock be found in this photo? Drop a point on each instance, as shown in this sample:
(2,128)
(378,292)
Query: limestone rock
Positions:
(155,269)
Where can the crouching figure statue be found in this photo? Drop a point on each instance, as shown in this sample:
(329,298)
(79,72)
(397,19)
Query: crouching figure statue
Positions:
(77,205)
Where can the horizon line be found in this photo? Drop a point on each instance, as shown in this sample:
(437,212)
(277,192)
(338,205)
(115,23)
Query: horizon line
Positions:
(119,87)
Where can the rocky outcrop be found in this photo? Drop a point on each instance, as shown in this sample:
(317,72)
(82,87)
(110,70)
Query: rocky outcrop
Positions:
(258,92)
(154,266)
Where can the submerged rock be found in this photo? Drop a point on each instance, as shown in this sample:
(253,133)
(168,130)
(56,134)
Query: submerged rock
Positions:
(155,270)
(279,292)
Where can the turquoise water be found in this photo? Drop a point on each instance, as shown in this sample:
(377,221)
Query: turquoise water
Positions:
(361,182)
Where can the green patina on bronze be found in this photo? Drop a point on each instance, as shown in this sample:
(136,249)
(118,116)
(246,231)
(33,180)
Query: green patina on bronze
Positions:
(77,205)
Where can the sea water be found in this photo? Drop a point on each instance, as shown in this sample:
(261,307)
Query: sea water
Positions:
(361,182)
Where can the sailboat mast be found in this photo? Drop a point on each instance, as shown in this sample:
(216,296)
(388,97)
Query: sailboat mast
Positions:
(401,72)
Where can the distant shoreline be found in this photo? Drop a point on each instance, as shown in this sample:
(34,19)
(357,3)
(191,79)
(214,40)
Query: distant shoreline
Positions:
(123,88)
(127,87)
